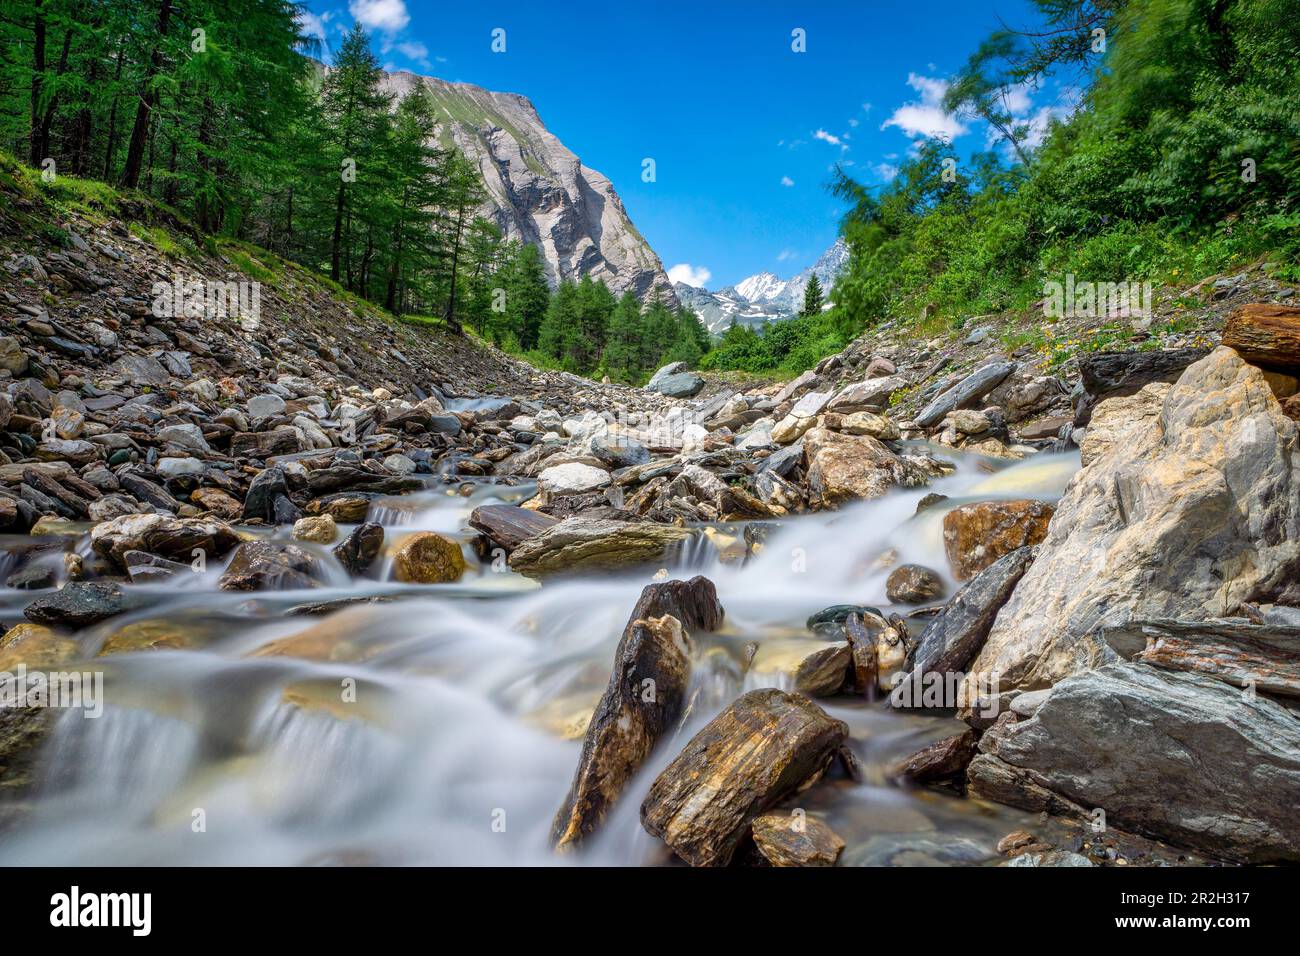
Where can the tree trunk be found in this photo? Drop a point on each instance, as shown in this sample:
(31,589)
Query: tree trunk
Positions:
(452,322)
(35,153)
(47,116)
(337,237)
(148,100)
(111,146)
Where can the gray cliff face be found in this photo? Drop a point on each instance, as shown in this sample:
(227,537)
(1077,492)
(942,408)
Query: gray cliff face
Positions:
(540,192)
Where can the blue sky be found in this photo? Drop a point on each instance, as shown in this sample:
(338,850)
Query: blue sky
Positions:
(742,129)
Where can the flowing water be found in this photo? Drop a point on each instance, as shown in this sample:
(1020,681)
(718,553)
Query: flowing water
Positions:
(442,725)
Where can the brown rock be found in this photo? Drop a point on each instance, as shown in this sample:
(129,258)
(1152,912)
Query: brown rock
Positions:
(278,441)
(1266,334)
(913,584)
(843,467)
(941,760)
(580,543)
(976,535)
(1265,657)
(270,566)
(1044,428)
(765,747)
(345,507)
(785,839)
(632,715)
(428,558)
(174,538)
(219,502)
(647,688)
(508,525)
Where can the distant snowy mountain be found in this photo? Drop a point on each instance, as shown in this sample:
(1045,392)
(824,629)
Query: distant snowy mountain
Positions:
(764,297)
(764,287)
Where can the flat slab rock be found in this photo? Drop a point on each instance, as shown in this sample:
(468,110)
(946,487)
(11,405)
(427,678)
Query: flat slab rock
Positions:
(1263,656)
(508,525)
(956,633)
(1183,758)
(766,746)
(578,544)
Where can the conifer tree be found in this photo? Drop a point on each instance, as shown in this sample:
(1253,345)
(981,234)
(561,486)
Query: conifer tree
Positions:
(812,297)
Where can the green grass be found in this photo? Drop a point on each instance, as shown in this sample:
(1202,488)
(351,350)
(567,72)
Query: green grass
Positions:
(162,240)
(265,267)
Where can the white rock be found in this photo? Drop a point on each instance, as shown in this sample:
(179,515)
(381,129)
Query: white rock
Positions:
(264,406)
(175,467)
(572,478)
(399,464)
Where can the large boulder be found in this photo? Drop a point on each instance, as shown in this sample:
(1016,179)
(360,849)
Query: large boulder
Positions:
(1180,757)
(675,381)
(1117,415)
(672,368)
(1190,515)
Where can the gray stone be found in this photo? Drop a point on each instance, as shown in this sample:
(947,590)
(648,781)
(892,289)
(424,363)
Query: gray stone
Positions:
(974,386)
(264,406)
(681,385)
(871,395)
(957,633)
(1179,757)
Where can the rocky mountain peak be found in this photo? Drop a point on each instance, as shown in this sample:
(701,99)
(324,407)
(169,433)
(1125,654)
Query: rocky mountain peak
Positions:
(539,191)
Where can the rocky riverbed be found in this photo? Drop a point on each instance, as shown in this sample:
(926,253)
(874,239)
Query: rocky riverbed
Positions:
(365,593)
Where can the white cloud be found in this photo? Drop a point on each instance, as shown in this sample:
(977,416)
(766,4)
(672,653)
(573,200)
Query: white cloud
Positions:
(827,137)
(866,107)
(697,276)
(414,50)
(886,171)
(853,122)
(386,15)
(787,181)
(928,117)
(785,254)
(311,25)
